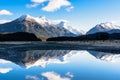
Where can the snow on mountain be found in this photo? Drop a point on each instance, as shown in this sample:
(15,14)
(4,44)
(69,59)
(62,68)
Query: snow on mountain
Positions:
(103,27)
(25,17)
(75,31)
(41,20)
(114,31)
(41,27)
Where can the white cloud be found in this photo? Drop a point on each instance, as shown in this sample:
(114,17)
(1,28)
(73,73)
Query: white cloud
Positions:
(32,5)
(4,21)
(35,3)
(38,1)
(53,5)
(54,76)
(29,77)
(5,70)
(69,8)
(5,12)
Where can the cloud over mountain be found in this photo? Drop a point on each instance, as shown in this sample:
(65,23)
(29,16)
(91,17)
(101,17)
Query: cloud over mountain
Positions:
(5,12)
(53,5)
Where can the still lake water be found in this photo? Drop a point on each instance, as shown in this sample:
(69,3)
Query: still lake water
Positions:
(35,64)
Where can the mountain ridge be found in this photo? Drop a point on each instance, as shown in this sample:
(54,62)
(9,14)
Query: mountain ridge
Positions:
(41,27)
(104,27)
(45,28)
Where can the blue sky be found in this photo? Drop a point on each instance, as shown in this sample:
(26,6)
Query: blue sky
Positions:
(81,14)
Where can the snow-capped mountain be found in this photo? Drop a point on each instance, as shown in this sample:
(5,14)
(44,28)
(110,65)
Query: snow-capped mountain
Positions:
(41,20)
(104,27)
(41,27)
(75,31)
(114,31)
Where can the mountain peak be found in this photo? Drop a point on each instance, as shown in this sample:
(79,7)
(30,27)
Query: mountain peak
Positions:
(107,25)
(43,18)
(43,21)
(103,27)
(62,24)
(40,26)
(25,17)
(71,29)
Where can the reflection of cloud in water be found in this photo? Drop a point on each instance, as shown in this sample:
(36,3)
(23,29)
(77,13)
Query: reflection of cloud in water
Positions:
(29,77)
(69,74)
(2,69)
(50,76)
(42,58)
(54,76)
(2,61)
(5,70)
(112,57)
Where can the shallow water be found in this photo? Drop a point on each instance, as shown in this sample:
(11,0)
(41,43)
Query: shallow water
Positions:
(35,64)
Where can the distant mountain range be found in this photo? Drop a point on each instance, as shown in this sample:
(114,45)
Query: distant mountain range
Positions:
(74,31)
(41,27)
(105,27)
(44,28)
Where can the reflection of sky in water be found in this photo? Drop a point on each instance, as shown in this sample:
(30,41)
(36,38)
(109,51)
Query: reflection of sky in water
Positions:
(76,65)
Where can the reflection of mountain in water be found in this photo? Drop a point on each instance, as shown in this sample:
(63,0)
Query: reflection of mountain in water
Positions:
(112,57)
(34,57)
(31,57)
